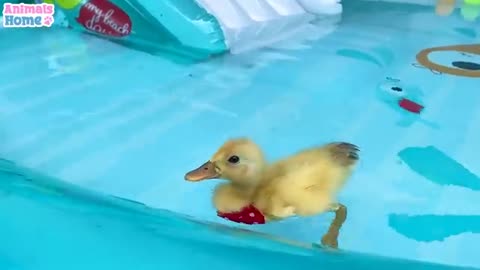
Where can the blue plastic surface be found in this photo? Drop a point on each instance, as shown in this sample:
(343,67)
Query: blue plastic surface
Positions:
(178,27)
(48,224)
(126,123)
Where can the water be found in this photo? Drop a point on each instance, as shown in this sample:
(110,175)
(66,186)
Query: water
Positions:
(70,227)
(128,124)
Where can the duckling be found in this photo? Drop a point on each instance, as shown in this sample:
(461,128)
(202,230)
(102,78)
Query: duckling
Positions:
(303,184)
(240,162)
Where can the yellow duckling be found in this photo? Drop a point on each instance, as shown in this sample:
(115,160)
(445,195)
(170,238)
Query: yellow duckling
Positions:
(304,184)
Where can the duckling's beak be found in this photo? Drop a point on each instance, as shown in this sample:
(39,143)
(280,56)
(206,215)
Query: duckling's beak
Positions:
(204,172)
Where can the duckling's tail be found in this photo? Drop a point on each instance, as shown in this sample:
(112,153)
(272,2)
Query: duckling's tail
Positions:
(344,154)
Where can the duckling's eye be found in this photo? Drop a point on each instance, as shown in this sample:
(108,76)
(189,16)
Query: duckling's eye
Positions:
(233,159)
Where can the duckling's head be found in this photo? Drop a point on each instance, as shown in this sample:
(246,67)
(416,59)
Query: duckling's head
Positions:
(240,161)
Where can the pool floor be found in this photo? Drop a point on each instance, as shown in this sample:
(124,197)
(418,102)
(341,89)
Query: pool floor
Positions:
(129,124)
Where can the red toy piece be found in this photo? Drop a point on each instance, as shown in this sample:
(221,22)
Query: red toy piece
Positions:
(248,215)
(410,106)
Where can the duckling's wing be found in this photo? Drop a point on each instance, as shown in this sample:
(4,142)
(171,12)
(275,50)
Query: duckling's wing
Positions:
(337,154)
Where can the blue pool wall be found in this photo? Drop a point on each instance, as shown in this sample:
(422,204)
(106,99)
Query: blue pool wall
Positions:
(49,224)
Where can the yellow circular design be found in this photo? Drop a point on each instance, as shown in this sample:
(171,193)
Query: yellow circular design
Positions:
(68,4)
(424,60)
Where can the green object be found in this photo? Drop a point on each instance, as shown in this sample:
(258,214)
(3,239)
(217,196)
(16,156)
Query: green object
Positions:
(470,12)
(472,2)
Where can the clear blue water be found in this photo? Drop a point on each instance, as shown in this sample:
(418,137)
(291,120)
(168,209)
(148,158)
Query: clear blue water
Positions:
(125,123)
(47,224)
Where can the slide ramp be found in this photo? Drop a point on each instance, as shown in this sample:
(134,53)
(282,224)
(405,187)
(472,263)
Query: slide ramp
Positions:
(255,23)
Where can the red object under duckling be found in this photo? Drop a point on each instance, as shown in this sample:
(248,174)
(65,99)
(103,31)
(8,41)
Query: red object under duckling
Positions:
(410,106)
(248,215)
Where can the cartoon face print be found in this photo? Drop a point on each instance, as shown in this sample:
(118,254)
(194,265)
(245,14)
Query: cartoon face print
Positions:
(417,65)
(458,60)
(462,61)
(392,89)
(405,99)
(467,61)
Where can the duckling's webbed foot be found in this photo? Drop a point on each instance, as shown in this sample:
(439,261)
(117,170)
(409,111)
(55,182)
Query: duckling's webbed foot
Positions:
(330,239)
(345,154)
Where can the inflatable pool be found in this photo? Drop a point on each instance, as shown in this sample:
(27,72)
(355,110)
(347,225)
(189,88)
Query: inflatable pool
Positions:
(97,132)
(193,28)
(48,224)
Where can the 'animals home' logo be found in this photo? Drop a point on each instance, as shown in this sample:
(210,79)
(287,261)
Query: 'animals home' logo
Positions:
(27,15)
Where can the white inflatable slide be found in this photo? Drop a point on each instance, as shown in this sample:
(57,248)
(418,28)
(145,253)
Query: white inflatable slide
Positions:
(249,24)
